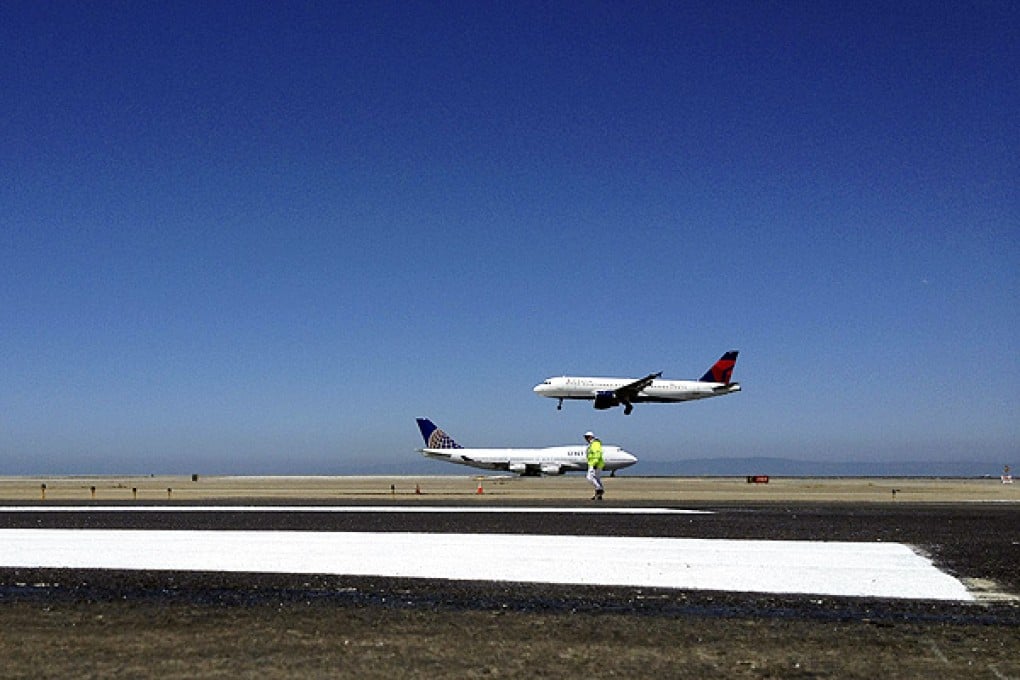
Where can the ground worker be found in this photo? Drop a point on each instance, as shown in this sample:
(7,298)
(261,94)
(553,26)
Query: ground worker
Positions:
(595,464)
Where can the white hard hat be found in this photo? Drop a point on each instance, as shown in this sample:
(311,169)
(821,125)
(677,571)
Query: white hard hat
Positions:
(589,434)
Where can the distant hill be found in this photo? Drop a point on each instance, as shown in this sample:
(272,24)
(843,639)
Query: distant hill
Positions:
(787,467)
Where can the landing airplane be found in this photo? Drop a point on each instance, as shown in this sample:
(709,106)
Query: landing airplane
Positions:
(610,392)
(553,460)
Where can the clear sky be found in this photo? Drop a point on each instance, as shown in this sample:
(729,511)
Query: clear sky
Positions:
(243,237)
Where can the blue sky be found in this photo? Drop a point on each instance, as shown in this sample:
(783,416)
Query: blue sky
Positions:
(264,237)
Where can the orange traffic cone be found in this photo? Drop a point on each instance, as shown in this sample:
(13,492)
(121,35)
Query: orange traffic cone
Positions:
(479,490)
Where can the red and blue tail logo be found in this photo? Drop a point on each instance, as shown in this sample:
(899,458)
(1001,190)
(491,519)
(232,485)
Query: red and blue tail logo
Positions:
(722,370)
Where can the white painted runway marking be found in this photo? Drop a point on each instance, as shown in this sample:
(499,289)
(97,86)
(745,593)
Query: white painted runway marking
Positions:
(604,510)
(889,570)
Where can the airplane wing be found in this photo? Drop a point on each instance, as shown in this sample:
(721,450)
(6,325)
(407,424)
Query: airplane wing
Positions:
(630,390)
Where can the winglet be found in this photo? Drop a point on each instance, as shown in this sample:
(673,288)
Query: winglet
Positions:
(434,437)
(722,370)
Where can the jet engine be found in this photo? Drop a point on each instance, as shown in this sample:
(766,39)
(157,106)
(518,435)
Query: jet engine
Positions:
(552,469)
(518,468)
(604,400)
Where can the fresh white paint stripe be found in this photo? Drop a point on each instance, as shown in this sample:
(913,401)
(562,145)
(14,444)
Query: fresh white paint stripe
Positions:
(822,568)
(460,510)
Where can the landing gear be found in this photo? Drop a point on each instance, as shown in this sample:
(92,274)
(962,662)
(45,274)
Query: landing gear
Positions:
(627,408)
(559,406)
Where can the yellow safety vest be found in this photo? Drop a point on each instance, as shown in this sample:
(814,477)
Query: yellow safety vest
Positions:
(594,453)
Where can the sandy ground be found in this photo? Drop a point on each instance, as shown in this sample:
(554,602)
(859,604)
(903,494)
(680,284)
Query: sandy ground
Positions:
(426,489)
(79,639)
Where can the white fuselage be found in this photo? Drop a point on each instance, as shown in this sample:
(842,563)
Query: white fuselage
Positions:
(552,460)
(568,387)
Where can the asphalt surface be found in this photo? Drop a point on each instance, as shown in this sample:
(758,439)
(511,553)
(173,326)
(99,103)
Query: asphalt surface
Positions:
(977,543)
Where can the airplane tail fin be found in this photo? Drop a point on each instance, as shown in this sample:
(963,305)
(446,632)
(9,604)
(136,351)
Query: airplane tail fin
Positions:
(722,370)
(434,437)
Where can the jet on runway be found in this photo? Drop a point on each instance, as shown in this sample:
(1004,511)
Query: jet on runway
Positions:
(552,460)
(610,392)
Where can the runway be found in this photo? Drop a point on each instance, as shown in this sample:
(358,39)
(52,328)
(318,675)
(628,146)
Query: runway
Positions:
(535,531)
(722,549)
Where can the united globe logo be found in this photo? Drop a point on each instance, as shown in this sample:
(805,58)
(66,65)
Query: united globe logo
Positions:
(439,440)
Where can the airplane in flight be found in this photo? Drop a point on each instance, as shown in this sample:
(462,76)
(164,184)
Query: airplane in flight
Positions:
(552,460)
(610,392)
